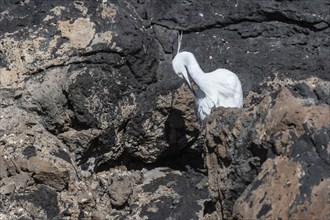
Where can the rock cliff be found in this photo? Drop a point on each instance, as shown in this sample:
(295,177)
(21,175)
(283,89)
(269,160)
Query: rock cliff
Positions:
(94,124)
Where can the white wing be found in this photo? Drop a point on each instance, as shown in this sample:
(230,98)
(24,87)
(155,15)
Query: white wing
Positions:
(223,88)
(204,106)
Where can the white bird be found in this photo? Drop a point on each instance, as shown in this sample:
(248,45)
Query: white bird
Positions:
(218,88)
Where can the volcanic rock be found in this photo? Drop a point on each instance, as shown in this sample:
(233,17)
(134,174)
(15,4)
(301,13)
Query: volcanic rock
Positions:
(94,124)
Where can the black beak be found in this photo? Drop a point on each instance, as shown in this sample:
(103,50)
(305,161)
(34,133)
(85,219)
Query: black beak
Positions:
(191,89)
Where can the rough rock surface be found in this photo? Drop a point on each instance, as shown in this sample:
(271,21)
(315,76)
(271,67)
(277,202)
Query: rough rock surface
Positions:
(95,125)
(279,146)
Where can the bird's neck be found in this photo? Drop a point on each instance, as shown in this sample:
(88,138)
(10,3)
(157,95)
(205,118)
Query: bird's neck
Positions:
(194,69)
(196,73)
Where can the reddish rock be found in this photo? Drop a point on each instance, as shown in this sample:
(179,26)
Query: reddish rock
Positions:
(279,147)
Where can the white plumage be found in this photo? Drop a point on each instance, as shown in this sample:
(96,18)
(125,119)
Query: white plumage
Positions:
(218,88)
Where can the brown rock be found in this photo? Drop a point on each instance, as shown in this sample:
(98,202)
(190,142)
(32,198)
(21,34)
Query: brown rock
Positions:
(3,168)
(275,192)
(119,187)
(46,172)
(280,146)
(14,183)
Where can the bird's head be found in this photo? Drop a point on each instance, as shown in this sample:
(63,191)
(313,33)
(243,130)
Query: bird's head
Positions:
(179,68)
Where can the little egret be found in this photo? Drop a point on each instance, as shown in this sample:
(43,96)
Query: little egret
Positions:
(218,88)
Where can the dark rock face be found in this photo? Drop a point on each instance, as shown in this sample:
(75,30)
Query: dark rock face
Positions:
(89,100)
(252,38)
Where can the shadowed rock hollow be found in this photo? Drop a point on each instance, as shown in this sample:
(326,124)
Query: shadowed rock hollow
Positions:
(94,124)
